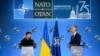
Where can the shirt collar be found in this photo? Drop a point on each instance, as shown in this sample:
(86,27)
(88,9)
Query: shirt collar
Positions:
(74,33)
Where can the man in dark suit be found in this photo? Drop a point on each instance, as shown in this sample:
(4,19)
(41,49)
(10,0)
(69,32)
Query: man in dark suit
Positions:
(75,38)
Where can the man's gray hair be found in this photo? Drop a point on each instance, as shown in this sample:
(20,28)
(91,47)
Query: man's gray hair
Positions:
(75,27)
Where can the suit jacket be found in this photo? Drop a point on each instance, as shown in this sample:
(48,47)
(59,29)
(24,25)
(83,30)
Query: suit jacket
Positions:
(75,40)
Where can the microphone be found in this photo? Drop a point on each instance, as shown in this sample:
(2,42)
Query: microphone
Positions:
(83,43)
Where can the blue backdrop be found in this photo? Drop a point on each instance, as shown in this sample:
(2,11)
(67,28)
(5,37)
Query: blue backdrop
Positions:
(7,23)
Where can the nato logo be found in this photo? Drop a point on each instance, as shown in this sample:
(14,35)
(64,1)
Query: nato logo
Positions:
(56,42)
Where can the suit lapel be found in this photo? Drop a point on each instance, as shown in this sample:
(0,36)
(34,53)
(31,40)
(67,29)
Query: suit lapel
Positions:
(73,36)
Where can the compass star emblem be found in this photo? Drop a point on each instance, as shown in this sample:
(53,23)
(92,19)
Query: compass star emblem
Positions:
(23,9)
(56,42)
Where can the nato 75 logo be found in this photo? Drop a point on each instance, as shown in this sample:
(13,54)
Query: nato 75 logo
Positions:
(82,11)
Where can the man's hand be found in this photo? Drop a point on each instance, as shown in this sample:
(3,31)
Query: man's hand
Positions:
(34,45)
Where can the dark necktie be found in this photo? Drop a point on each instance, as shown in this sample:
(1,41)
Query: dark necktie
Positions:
(73,36)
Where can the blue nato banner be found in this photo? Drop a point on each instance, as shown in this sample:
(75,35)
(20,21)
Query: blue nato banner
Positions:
(33,9)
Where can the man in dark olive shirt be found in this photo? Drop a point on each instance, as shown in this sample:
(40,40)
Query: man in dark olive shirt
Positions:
(27,41)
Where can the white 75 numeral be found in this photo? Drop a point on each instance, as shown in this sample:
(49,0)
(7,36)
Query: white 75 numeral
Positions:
(84,6)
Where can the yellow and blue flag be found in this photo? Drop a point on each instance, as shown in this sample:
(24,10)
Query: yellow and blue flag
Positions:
(45,45)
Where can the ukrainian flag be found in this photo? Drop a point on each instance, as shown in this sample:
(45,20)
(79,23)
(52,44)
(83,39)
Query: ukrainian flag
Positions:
(45,44)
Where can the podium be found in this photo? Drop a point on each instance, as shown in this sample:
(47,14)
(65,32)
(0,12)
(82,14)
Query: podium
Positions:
(27,51)
(76,50)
